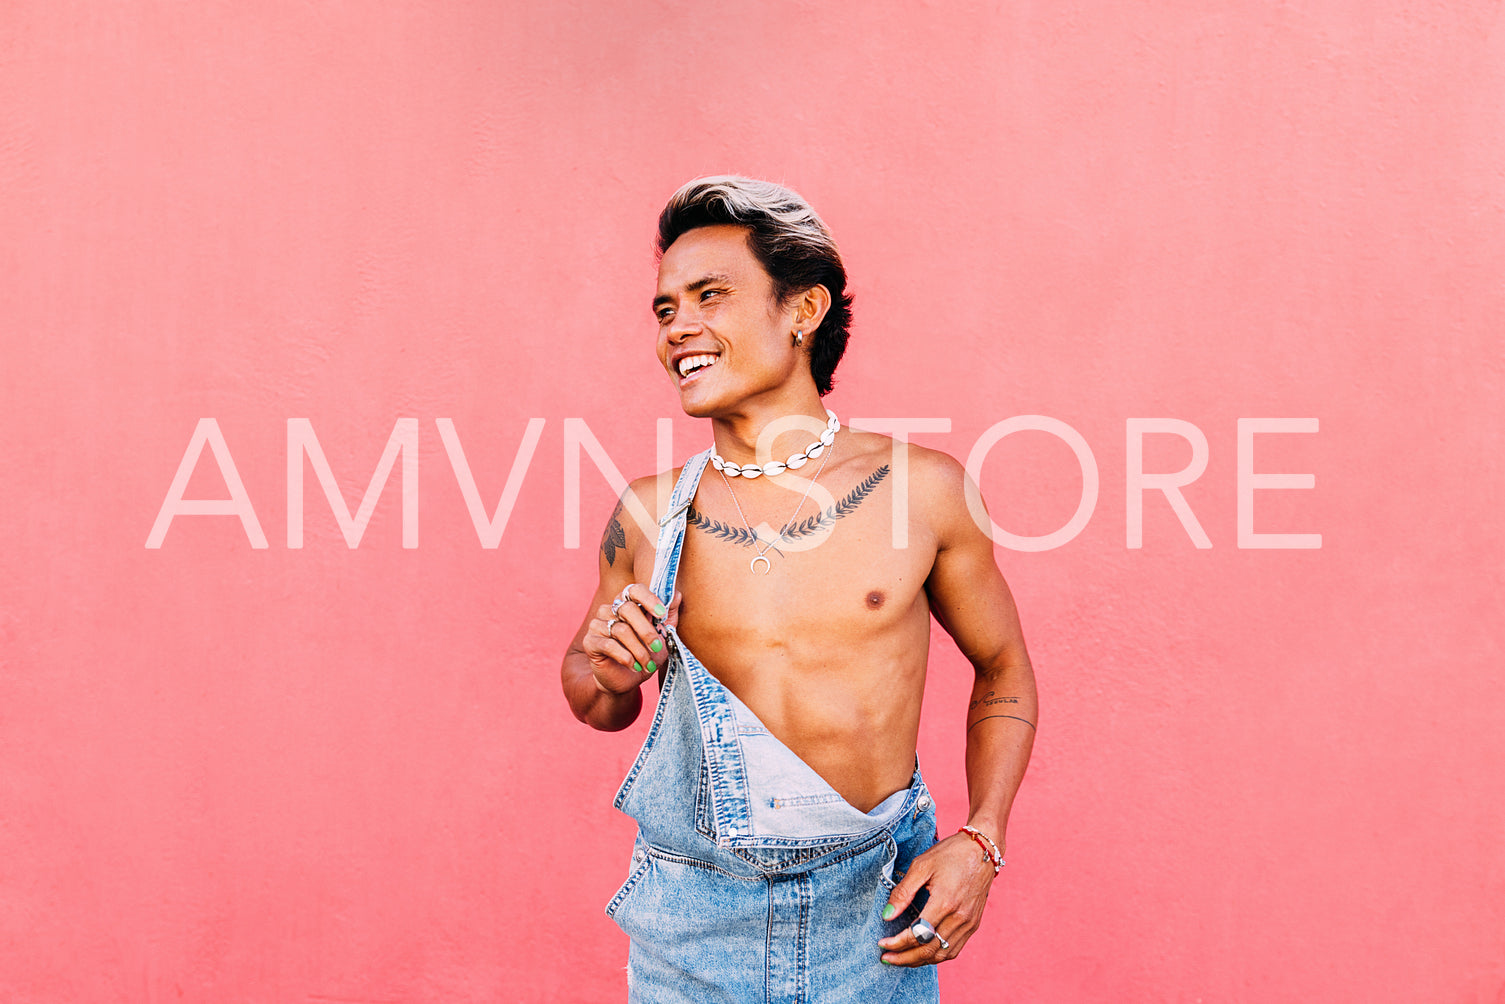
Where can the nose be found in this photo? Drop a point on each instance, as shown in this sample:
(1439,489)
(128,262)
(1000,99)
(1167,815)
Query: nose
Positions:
(683,326)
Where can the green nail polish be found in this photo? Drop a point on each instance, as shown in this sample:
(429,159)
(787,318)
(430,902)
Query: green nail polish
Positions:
(637,667)
(652,665)
(656,645)
(889,911)
(659,611)
(885,962)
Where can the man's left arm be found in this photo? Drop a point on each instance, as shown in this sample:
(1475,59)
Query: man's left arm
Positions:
(970,599)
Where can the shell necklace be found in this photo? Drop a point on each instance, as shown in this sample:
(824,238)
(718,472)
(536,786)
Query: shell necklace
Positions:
(762,554)
(774,467)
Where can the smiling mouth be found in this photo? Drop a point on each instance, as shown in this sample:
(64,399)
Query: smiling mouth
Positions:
(691,365)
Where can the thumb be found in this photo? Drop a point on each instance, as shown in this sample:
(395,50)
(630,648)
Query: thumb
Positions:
(904,893)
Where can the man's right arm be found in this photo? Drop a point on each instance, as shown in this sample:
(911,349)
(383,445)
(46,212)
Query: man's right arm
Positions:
(611,656)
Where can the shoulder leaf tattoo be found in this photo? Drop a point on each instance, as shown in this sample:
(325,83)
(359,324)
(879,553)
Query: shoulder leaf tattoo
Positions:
(813,524)
(614,538)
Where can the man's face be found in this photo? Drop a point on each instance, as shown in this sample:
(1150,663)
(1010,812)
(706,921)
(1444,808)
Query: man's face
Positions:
(722,335)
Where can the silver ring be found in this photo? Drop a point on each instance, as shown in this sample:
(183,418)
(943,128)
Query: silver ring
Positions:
(607,630)
(622,597)
(944,943)
(923,932)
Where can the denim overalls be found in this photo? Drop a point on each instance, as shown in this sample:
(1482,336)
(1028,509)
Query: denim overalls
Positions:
(752,880)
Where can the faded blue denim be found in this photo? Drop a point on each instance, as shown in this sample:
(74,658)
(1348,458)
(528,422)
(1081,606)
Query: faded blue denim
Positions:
(752,880)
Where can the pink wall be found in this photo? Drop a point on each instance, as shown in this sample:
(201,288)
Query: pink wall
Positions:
(238,774)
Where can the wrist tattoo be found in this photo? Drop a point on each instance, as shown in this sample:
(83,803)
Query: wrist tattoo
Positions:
(1016,718)
(988,700)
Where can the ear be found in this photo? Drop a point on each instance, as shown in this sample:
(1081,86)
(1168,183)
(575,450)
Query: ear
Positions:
(810,309)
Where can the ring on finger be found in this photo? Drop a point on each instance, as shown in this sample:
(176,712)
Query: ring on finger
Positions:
(622,597)
(923,932)
(945,945)
(609,624)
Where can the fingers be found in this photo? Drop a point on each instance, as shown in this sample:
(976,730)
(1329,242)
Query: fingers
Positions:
(637,596)
(610,661)
(906,949)
(958,891)
(914,880)
(622,639)
(634,630)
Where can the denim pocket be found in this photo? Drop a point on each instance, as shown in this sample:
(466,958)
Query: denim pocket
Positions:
(888,876)
(640,863)
(705,823)
(920,837)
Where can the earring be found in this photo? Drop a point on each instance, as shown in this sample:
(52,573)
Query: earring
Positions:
(799,338)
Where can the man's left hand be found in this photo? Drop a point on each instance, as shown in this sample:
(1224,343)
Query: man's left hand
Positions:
(958,878)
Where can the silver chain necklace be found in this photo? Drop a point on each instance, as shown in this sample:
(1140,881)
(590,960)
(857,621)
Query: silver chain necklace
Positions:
(762,555)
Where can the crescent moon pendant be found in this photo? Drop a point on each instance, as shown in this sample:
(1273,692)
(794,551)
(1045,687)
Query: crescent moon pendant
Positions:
(767,565)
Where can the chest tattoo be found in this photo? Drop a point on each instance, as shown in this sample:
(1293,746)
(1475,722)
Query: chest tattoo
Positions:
(818,523)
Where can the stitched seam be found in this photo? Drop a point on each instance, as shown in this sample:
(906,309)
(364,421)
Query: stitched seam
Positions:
(794,801)
(632,883)
(663,855)
(802,946)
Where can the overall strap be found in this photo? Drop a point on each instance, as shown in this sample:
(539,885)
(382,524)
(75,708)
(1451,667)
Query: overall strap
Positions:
(671,528)
(674,737)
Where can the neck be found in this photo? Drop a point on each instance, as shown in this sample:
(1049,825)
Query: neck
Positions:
(758,435)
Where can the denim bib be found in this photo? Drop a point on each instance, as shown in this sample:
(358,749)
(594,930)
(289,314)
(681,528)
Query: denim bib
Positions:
(752,879)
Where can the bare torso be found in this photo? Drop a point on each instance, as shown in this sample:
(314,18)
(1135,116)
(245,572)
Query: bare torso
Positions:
(829,647)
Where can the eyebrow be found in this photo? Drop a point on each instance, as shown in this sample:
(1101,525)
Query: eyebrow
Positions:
(692,287)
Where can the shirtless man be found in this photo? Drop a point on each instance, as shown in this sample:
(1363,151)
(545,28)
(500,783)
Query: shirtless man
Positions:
(815,623)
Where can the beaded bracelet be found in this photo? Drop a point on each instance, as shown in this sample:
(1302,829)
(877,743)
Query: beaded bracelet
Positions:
(990,852)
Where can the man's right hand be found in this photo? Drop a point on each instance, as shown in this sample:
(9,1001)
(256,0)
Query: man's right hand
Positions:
(626,647)
(603,688)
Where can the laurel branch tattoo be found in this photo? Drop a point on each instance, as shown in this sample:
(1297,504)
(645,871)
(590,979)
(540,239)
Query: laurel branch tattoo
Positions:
(818,523)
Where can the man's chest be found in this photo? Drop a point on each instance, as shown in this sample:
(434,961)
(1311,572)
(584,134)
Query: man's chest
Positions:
(833,567)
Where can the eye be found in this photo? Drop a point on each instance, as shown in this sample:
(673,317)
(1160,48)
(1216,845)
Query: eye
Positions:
(664,314)
(706,294)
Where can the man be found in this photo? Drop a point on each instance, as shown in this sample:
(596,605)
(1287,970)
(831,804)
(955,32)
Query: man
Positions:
(787,846)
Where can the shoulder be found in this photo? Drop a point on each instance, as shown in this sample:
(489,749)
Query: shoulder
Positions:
(632,528)
(943,495)
(940,475)
(644,503)
(935,478)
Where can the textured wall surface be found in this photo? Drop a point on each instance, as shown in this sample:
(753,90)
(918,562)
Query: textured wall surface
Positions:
(266,774)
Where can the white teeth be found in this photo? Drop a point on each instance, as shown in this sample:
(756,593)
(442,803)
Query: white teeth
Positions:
(689,364)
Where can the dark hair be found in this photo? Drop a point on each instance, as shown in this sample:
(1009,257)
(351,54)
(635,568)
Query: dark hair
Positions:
(788,239)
